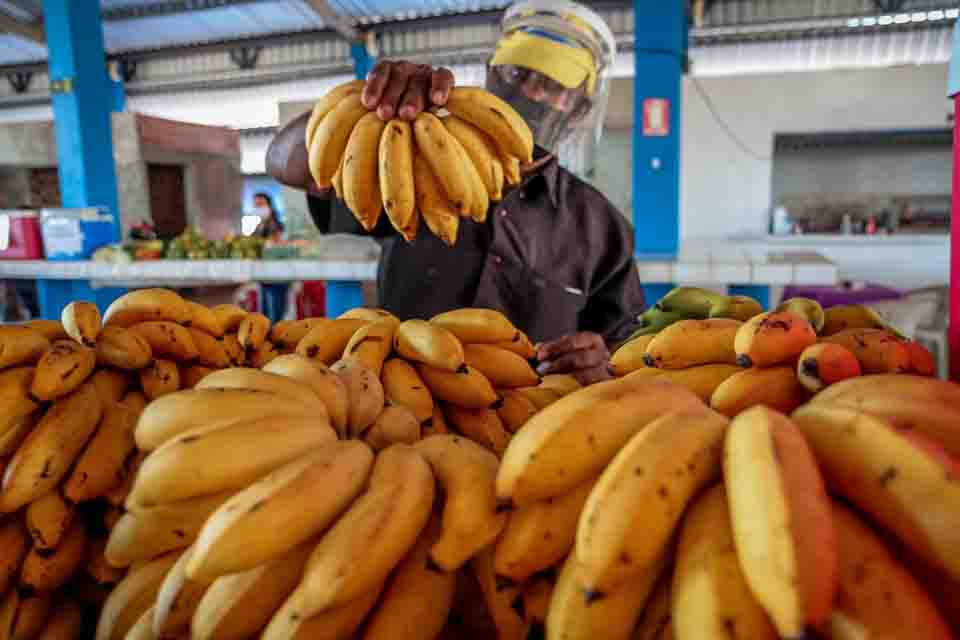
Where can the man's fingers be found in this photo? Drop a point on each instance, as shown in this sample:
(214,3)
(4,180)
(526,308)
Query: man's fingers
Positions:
(592,376)
(441,82)
(574,361)
(414,98)
(399,80)
(576,342)
(377,81)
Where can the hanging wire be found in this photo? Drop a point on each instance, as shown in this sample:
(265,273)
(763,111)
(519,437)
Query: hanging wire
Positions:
(708,102)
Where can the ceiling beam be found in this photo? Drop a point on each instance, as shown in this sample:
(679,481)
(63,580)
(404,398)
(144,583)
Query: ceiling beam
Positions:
(29,30)
(342,24)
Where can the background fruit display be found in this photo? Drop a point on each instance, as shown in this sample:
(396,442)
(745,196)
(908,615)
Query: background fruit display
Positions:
(178,471)
(446,165)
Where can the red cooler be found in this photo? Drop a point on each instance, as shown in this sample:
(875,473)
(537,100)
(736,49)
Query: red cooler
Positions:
(20,237)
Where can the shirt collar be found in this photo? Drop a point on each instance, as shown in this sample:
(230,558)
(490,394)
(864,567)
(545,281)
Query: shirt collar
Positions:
(544,174)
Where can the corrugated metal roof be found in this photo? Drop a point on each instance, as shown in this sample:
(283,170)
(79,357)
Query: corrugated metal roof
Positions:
(372,11)
(14,50)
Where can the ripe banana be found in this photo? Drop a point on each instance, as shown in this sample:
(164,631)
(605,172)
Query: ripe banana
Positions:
(693,302)
(575,437)
(238,606)
(417,600)
(263,355)
(395,424)
(482,326)
(253,331)
(520,344)
(689,343)
(782,525)
(511,168)
(437,212)
(49,451)
(366,314)
(504,369)
(909,486)
(325,384)
(631,355)
(286,334)
(501,601)
(167,340)
(494,117)
(81,320)
(710,594)
(395,156)
(330,140)
(191,375)
(922,362)
(740,308)
(539,536)
(575,617)
(210,351)
(466,388)
(535,599)
(425,343)
(229,315)
(483,426)
(247,378)
(479,199)
(809,310)
(96,565)
(111,385)
(403,386)
(204,319)
(16,431)
(515,409)
(123,349)
(232,540)
(702,380)
(824,364)
(482,152)
(162,377)
(177,599)
(656,621)
(372,343)
(65,623)
(208,460)
(14,546)
(877,594)
(143,534)
(437,147)
(145,305)
(342,621)
(361,184)
(369,540)
(48,519)
(117,496)
(648,484)
(878,350)
(51,569)
(64,367)
(776,388)
(327,103)
(854,316)
(325,342)
(142,629)
(365,394)
(466,471)
(32,615)
(772,339)
(435,425)
(132,597)
(15,400)
(50,329)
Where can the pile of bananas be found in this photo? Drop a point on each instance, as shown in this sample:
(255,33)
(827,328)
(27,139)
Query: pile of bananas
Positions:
(439,168)
(735,356)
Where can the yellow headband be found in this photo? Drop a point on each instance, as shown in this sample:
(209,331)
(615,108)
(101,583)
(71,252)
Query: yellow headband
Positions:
(571,66)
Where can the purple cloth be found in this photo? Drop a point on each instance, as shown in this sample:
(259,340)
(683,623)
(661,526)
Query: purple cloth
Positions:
(834,296)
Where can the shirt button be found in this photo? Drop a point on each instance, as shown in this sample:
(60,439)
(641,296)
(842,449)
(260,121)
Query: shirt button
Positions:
(503,213)
(497,260)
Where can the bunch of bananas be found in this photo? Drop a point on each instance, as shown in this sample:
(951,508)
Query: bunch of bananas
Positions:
(447,164)
(777,359)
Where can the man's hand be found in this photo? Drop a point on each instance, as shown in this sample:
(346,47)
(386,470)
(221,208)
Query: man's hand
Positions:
(583,355)
(403,89)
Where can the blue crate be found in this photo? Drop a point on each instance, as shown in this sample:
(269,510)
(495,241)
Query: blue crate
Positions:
(74,234)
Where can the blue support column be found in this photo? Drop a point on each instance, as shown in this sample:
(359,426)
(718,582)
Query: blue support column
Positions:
(83,97)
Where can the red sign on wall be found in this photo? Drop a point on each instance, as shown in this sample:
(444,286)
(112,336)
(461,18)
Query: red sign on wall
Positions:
(656,117)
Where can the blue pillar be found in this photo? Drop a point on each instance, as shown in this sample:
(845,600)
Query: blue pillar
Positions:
(83,97)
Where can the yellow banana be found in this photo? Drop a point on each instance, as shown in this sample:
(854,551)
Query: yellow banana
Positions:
(535,599)
(167,340)
(482,326)
(111,385)
(515,409)
(710,594)
(253,331)
(366,314)
(64,367)
(482,152)
(520,344)
(479,199)
(395,156)
(191,375)
(500,601)
(262,355)
(365,394)
(908,485)
(96,565)
(51,569)
(47,454)
(361,184)
(372,343)
(539,536)
(823,364)
(648,484)
(162,377)
(435,425)
(325,384)
(8,613)
(877,593)
(204,319)
(575,437)
(358,552)
(466,388)
(483,426)
(403,386)
(511,168)
(330,140)
(703,380)
(238,606)
(232,539)
(132,597)
(395,424)
(336,623)
(15,400)
(809,310)
(229,315)
(782,526)
(878,350)
(504,369)
(210,351)
(144,305)
(65,623)
(286,334)
(208,460)
(16,431)
(14,546)
(81,320)
(772,339)
(123,349)
(32,615)
(21,346)
(143,534)
(142,629)
(438,148)
(689,343)
(177,599)
(776,388)
(325,342)
(466,471)
(425,343)
(854,316)
(48,519)
(656,621)
(432,203)
(417,600)
(631,355)
(247,378)
(494,117)
(50,329)
(327,103)
(117,496)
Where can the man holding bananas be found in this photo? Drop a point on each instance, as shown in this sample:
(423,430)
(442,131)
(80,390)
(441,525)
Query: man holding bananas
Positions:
(554,255)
